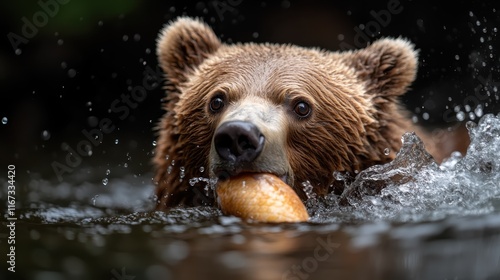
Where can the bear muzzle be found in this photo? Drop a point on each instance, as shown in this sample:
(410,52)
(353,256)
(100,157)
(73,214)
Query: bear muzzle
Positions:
(238,145)
(250,139)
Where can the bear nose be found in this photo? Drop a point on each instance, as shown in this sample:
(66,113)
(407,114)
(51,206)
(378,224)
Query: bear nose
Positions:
(238,141)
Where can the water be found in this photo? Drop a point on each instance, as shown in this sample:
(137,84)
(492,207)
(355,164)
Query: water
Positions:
(429,221)
(414,188)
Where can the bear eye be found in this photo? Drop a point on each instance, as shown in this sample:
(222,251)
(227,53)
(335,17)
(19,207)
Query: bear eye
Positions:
(216,104)
(302,109)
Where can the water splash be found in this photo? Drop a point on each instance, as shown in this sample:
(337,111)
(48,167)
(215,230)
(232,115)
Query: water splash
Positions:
(414,188)
(308,190)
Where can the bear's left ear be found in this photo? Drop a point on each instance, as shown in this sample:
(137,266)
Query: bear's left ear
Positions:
(183,45)
(388,66)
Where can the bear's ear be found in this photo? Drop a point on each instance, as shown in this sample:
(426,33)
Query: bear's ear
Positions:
(183,45)
(388,66)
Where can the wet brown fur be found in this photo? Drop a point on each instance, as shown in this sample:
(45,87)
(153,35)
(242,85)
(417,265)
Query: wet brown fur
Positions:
(354,97)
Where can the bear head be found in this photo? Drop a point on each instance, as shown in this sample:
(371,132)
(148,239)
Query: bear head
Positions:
(299,113)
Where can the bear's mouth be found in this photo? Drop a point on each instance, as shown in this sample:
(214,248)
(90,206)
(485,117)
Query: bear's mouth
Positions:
(223,174)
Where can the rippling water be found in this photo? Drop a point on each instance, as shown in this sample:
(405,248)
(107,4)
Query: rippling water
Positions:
(429,222)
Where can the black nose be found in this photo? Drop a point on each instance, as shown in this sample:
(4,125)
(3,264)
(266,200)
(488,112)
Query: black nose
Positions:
(238,141)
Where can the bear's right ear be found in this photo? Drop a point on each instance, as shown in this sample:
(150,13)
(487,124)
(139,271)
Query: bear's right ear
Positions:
(183,45)
(388,66)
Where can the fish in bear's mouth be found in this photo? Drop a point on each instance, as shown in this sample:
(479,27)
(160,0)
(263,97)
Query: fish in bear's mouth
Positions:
(260,197)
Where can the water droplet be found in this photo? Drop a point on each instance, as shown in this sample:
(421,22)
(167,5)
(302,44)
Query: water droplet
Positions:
(169,169)
(154,143)
(4,120)
(255,35)
(425,116)
(60,42)
(125,38)
(193,181)
(167,156)
(387,151)
(173,162)
(45,135)
(137,37)
(183,172)
(107,172)
(105,181)
(71,73)
(202,169)
(125,165)
(18,52)
(94,199)
(460,116)
(338,176)
(479,111)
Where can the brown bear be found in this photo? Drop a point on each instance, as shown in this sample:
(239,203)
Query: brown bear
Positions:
(298,113)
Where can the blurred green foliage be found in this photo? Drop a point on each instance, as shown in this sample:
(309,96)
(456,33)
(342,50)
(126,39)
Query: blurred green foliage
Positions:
(74,16)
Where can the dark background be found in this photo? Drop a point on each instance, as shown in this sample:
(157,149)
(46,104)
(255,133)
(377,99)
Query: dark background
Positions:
(89,53)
